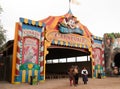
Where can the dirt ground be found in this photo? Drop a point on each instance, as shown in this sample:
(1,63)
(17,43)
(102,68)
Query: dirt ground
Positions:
(106,83)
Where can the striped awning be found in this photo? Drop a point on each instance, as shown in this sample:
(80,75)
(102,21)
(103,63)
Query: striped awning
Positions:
(31,22)
(97,38)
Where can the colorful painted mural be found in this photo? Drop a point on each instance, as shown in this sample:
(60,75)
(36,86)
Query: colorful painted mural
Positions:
(28,58)
(98,57)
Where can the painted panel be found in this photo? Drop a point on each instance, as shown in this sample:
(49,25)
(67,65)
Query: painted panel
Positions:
(27,56)
(30,50)
(97,56)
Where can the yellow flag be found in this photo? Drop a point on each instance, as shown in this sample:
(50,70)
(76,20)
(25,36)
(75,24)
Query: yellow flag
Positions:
(75,2)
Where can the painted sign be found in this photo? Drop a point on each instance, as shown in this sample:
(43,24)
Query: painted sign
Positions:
(71,38)
(31,33)
(97,45)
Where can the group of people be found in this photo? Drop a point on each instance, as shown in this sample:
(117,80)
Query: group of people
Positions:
(74,74)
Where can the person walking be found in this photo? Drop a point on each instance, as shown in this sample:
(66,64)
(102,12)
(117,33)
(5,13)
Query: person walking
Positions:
(76,75)
(84,73)
(70,74)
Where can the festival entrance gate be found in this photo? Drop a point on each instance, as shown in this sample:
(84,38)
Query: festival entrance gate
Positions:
(34,38)
(62,37)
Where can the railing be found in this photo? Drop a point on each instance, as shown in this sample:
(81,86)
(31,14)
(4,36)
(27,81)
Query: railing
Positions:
(56,76)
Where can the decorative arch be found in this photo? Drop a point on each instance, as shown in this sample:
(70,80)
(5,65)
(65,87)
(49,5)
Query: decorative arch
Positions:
(115,52)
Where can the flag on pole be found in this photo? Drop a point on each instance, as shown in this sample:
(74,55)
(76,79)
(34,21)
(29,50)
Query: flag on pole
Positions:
(74,2)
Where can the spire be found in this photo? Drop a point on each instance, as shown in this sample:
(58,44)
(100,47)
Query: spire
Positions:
(70,12)
(73,2)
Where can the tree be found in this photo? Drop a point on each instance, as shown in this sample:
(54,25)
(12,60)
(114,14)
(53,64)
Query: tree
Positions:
(2,33)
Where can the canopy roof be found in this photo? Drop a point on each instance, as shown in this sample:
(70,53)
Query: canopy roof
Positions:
(52,22)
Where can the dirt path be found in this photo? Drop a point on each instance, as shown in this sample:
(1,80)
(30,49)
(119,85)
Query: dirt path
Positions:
(107,83)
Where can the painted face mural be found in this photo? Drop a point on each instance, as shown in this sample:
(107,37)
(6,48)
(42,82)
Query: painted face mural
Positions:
(97,56)
(30,48)
(70,24)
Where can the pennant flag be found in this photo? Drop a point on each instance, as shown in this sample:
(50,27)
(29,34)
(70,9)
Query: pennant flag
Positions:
(74,2)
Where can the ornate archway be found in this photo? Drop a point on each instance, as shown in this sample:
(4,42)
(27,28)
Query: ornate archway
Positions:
(115,52)
(117,60)
(116,57)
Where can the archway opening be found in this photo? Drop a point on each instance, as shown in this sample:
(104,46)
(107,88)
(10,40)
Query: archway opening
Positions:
(117,60)
(60,59)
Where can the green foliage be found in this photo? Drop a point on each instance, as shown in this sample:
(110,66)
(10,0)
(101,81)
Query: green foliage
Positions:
(112,35)
(2,36)
(2,33)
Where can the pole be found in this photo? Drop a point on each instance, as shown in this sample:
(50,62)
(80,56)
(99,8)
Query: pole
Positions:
(69,5)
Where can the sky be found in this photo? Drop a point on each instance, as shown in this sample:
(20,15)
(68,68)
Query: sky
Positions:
(100,16)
